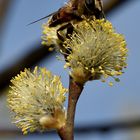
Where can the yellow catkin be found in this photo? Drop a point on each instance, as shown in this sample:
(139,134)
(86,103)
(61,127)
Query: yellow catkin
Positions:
(34,95)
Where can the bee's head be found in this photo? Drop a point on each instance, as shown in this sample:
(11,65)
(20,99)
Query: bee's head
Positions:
(90,4)
(95,7)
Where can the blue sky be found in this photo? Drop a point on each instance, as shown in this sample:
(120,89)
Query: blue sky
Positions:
(99,103)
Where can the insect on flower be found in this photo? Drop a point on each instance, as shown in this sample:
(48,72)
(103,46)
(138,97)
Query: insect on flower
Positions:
(73,12)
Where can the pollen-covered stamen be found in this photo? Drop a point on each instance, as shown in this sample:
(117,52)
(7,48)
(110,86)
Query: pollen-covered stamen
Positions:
(36,101)
(96,50)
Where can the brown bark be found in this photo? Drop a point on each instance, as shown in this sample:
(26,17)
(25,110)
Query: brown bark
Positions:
(67,132)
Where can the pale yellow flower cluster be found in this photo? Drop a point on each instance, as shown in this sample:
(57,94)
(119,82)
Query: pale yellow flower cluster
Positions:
(49,35)
(94,50)
(36,100)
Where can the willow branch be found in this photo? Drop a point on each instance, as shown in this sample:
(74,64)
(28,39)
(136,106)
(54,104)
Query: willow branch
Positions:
(75,89)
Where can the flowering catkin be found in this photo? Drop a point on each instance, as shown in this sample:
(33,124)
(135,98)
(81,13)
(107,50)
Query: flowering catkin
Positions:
(95,51)
(36,100)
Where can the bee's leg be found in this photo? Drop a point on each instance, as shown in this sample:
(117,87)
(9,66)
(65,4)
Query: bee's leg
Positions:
(69,30)
(66,26)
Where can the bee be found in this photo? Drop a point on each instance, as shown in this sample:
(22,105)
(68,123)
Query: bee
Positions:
(73,12)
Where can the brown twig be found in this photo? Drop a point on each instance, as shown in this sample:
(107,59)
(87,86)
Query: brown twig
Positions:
(75,89)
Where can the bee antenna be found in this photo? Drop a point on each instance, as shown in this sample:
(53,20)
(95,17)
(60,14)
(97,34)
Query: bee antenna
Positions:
(41,18)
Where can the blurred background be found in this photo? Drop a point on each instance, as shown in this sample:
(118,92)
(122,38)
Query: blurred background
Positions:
(103,112)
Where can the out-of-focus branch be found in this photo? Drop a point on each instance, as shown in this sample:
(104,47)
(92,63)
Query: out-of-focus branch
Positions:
(4,4)
(90,128)
(37,55)
(29,60)
(113,4)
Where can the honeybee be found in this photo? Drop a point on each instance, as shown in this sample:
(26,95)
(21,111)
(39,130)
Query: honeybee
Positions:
(73,12)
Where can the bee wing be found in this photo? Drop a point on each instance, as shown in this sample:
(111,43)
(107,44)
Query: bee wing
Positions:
(73,2)
(42,18)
